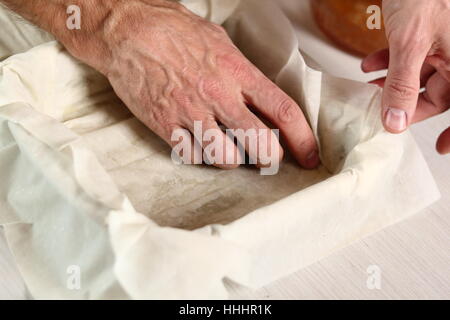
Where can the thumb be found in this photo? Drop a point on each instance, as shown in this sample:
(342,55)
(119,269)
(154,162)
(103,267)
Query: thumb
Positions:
(401,90)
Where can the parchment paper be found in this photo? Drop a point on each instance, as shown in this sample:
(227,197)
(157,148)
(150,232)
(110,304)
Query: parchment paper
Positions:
(85,184)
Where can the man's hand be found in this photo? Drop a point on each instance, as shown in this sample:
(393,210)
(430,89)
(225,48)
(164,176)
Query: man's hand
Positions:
(171,68)
(418,57)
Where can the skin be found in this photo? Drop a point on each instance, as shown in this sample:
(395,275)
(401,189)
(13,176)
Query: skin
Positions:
(171,68)
(198,74)
(418,57)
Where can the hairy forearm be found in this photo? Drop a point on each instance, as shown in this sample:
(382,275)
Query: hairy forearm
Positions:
(104,23)
(46,14)
(52,16)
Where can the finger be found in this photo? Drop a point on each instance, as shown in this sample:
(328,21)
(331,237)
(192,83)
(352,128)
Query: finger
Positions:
(443,143)
(401,89)
(219,150)
(260,142)
(376,61)
(426,109)
(425,74)
(379,82)
(185,150)
(435,100)
(380,61)
(440,60)
(441,65)
(278,108)
(284,113)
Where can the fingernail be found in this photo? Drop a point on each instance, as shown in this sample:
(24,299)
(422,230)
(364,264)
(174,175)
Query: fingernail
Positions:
(313,159)
(396,119)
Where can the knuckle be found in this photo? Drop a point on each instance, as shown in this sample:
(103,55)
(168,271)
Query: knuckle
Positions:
(181,98)
(402,89)
(287,111)
(237,116)
(240,69)
(211,87)
(195,114)
(409,39)
(236,64)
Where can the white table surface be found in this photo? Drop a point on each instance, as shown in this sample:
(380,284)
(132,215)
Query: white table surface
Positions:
(413,256)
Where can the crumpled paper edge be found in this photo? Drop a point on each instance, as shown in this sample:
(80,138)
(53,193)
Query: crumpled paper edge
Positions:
(256,257)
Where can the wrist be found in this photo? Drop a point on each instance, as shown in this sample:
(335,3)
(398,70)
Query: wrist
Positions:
(89,41)
(105,26)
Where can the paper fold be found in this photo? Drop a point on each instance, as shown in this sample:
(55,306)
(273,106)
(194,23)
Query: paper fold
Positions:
(85,184)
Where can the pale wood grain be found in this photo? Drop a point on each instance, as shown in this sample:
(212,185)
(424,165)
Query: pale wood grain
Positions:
(413,255)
